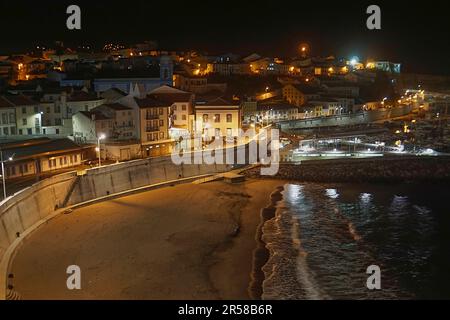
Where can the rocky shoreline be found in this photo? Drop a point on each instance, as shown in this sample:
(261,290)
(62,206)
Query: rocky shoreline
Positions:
(398,169)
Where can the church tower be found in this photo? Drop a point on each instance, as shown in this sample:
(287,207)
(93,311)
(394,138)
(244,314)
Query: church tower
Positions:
(166,70)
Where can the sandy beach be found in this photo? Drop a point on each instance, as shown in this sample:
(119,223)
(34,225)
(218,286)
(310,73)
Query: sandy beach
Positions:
(183,242)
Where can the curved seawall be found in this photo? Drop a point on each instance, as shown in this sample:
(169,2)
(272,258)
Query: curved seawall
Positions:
(29,208)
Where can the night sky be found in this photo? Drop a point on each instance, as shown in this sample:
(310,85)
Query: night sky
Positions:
(417,34)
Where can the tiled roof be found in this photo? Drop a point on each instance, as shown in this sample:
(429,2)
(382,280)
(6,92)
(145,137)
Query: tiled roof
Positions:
(5,103)
(149,102)
(116,106)
(35,147)
(217,102)
(19,100)
(171,97)
(98,115)
(82,96)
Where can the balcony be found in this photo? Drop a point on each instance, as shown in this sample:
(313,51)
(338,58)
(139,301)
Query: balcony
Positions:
(151,129)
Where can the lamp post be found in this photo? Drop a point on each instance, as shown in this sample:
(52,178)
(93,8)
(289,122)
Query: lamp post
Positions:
(3,172)
(101,137)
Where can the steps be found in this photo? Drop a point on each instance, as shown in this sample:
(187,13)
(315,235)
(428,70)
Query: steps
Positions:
(12,295)
(69,193)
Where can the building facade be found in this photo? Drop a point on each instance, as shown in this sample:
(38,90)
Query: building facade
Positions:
(217,118)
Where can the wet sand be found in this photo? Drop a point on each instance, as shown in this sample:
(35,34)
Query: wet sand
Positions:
(183,242)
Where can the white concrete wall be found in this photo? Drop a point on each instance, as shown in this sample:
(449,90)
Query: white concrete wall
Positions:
(28,206)
(128,175)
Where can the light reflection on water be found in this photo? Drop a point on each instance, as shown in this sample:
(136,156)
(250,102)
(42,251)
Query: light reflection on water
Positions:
(325,236)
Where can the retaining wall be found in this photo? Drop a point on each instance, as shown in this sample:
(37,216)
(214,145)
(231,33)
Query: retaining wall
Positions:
(27,207)
(33,204)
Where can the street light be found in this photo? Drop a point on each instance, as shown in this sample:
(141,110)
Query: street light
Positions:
(101,137)
(3,171)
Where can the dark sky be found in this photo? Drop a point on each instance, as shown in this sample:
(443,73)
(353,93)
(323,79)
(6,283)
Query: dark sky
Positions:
(417,34)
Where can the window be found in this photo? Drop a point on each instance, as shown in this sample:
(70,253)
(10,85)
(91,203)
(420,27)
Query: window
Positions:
(205,118)
(20,131)
(29,131)
(217,132)
(24,122)
(6,131)
(36,109)
(229,117)
(48,110)
(58,121)
(24,110)
(36,122)
(13,130)
(161,135)
(60,161)
(57,131)
(174,107)
(12,118)
(183,107)
(49,163)
(161,111)
(161,123)
(229,132)
(5,118)
(183,117)
(217,118)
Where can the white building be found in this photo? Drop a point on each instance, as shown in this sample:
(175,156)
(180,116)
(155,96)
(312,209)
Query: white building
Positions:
(181,103)
(7,118)
(217,117)
(89,125)
(28,115)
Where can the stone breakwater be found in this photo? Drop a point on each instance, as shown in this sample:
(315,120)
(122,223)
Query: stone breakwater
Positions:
(389,169)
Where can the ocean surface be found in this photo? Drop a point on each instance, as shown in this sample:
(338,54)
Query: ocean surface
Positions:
(325,236)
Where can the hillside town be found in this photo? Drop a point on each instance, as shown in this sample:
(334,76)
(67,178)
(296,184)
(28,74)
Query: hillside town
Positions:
(67,107)
(223,160)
